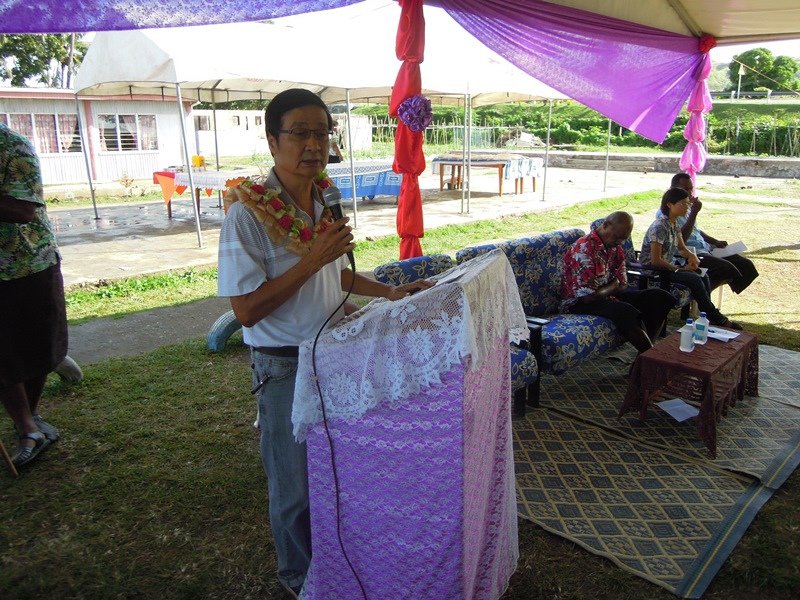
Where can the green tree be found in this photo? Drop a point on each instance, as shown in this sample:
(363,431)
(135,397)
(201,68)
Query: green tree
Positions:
(39,58)
(786,69)
(762,69)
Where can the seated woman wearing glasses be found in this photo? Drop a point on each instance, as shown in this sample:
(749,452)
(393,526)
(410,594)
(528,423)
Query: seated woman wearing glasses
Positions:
(282,263)
(663,241)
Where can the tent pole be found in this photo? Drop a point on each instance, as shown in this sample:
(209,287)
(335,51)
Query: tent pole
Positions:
(547,146)
(216,143)
(463,155)
(469,151)
(608,148)
(350,156)
(188,160)
(85,156)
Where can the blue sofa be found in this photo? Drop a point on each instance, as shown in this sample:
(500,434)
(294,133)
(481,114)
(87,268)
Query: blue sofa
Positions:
(524,368)
(559,341)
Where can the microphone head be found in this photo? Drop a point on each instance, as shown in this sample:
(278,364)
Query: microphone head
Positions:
(333,200)
(332,195)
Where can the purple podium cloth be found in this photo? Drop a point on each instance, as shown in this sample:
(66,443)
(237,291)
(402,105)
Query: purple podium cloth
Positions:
(426,492)
(417,398)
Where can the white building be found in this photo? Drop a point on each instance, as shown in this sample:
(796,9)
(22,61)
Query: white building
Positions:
(132,136)
(125,136)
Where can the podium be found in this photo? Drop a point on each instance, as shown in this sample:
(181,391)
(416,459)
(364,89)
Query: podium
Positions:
(418,404)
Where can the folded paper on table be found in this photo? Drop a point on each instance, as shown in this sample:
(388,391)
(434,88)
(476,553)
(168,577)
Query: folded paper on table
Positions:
(678,409)
(729,250)
(723,335)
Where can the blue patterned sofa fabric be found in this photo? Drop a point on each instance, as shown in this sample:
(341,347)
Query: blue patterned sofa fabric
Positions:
(568,340)
(524,369)
(538,265)
(411,269)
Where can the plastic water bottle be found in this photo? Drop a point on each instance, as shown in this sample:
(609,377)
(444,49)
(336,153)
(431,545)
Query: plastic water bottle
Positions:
(687,336)
(701,329)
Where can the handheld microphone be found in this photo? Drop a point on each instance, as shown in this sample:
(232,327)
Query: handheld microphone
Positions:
(333,200)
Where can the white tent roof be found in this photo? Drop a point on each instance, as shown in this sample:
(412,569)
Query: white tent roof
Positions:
(729,21)
(235,61)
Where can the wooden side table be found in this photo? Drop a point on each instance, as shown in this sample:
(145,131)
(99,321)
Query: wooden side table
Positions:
(713,377)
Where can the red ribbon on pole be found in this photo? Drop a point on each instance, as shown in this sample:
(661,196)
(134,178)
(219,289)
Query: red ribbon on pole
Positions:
(408,156)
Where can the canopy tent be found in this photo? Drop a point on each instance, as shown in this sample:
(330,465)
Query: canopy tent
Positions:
(729,21)
(232,66)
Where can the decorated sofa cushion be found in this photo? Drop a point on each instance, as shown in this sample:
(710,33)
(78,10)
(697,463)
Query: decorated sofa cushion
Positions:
(411,269)
(524,369)
(538,264)
(568,340)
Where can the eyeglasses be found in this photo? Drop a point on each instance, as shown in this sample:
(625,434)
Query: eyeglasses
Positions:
(301,134)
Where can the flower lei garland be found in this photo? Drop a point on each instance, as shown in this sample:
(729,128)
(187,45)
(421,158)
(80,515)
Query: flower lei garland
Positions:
(280,219)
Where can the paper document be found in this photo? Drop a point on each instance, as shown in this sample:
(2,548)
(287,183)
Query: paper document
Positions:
(678,409)
(729,250)
(723,335)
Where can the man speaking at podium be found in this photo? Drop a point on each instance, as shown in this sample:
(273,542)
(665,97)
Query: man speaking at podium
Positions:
(283,264)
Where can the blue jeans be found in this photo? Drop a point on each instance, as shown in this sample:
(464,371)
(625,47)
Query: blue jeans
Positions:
(700,286)
(285,464)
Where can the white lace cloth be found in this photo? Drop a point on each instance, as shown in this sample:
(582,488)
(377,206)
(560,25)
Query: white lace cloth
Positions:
(389,351)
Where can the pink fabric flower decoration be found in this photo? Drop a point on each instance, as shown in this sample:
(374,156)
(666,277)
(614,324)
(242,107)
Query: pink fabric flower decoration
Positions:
(286,222)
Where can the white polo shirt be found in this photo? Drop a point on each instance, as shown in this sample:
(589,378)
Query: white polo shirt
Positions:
(247,258)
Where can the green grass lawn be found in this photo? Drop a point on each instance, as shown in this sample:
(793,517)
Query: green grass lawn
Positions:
(156,489)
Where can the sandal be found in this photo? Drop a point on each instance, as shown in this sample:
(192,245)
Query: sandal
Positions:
(50,432)
(26,454)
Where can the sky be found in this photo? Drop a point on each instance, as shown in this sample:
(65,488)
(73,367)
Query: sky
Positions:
(724,54)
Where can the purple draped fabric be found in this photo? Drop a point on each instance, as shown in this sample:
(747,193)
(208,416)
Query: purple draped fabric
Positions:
(105,15)
(427,493)
(636,75)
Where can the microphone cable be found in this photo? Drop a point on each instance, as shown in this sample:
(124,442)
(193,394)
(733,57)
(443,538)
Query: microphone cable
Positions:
(328,432)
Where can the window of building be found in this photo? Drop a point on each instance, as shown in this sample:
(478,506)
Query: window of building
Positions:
(148,135)
(69,139)
(202,123)
(236,120)
(126,133)
(49,133)
(257,120)
(45,137)
(23,124)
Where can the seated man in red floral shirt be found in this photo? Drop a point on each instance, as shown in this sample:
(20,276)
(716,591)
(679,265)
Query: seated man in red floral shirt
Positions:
(596,283)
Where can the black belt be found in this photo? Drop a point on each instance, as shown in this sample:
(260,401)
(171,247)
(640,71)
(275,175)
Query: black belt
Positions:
(282,351)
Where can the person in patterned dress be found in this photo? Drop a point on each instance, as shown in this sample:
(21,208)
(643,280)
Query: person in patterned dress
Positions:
(33,320)
(595,282)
